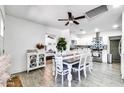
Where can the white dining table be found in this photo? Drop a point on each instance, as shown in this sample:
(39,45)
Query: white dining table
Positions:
(68,60)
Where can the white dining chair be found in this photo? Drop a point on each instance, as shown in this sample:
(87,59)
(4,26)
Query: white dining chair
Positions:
(89,62)
(83,64)
(61,69)
(89,58)
(80,66)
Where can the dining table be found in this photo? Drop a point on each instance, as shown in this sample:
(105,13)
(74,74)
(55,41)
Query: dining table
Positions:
(69,60)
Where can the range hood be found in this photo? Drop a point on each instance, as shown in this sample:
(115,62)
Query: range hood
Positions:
(97,43)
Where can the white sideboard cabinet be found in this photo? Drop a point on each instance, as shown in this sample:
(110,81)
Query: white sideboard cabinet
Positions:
(35,60)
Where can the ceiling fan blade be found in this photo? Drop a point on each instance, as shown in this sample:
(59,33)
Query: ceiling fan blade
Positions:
(75,22)
(69,15)
(80,17)
(62,19)
(67,23)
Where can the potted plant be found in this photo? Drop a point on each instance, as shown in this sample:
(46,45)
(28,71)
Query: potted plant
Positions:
(61,45)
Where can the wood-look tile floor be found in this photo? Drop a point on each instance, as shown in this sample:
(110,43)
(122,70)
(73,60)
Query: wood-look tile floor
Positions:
(103,75)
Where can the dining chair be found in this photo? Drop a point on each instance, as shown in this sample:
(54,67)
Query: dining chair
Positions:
(61,69)
(83,64)
(89,58)
(89,62)
(80,66)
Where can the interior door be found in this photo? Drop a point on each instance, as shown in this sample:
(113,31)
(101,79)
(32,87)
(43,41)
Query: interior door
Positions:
(114,50)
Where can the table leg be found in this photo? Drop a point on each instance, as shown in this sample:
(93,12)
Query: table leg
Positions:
(69,75)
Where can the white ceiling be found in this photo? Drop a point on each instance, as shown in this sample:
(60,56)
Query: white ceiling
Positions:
(49,15)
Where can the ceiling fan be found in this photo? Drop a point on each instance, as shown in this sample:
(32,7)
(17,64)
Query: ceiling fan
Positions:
(72,19)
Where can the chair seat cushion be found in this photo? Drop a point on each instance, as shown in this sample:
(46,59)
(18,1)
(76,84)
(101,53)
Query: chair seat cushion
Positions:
(71,60)
(77,65)
(65,67)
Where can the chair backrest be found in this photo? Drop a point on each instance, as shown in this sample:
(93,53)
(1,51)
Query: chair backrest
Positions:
(82,61)
(59,63)
(89,58)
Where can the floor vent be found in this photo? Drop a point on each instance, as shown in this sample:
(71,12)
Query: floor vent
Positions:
(96,11)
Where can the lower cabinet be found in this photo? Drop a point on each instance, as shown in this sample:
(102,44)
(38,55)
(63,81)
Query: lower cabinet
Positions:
(35,61)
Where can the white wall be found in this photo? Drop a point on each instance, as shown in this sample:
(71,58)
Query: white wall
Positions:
(21,35)
(74,37)
(122,48)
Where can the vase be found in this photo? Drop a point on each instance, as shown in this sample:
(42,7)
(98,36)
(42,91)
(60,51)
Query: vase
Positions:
(39,50)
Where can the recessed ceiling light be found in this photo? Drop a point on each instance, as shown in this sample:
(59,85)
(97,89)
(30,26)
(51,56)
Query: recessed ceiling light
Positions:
(116,6)
(115,26)
(83,32)
(96,30)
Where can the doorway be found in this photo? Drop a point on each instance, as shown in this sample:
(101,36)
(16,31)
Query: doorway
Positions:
(114,48)
(50,49)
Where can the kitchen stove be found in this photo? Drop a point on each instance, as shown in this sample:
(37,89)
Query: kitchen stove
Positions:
(97,47)
(97,56)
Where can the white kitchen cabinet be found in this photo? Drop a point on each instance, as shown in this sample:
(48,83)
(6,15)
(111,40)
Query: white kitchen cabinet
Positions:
(104,56)
(35,60)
